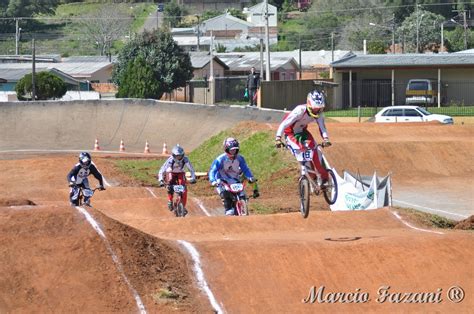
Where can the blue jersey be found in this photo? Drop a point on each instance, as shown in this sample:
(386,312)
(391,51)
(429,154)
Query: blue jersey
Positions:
(224,168)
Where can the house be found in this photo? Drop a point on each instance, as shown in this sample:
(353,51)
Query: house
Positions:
(381,80)
(11,75)
(281,67)
(201,63)
(95,69)
(256,15)
(200,6)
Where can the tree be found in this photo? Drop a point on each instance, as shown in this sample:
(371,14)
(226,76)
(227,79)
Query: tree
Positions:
(47,86)
(455,39)
(139,80)
(237,13)
(426,23)
(105,25)
(173,14)
(376,47)
(168,65)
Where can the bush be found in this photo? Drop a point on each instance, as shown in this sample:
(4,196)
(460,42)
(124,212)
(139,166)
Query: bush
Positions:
(47,86)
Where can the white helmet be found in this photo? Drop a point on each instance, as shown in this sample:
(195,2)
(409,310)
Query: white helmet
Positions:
(178,153)
(315,103)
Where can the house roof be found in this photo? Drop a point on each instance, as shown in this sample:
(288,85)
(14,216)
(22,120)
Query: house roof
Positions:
(309,59)
(29,58)
(15,74)
(244,61)
(200,59)
(404,60)
(226,16)
(81,69)
(192,40)
(88,59)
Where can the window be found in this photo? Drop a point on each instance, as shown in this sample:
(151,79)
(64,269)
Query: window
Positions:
(412,113)
(393,113)
(418,85)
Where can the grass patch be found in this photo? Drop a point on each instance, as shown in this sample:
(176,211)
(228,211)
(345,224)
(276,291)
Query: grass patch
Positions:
(427,219)
(262,209)
(144,171)
(255,146)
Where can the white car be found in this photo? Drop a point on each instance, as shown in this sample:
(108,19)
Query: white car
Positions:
(410,114)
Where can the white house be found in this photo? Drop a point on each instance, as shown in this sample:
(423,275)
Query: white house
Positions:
(255,15)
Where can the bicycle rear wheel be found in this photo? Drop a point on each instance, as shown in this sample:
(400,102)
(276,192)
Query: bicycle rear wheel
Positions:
(330,190)
(304,191)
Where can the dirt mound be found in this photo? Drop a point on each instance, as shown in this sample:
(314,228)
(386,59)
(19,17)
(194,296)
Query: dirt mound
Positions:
(466,224)
(53,259)
(15,202)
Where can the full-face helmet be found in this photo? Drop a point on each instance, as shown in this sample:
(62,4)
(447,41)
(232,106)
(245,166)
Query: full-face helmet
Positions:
(178,153)
(231,147)
(85,159)
(315,103)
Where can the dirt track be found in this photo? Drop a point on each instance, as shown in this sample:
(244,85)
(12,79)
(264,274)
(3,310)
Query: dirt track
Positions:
(54,259)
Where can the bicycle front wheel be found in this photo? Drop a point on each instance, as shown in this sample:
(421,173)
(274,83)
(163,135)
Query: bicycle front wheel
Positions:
(330,190)
(179,209)
(242,208)
(304,190)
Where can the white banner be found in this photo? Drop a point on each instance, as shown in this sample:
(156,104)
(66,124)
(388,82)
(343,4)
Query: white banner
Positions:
(362,192)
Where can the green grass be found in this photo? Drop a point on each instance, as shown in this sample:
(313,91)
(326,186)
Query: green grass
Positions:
(256,147)
(144,171)
(454,111)
(66,36)
(427,219)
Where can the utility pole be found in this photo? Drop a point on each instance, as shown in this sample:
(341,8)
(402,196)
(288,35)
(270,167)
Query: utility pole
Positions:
(465,29)
(267,43)
(261,57)
(17,37)
(332,46)
(299,61)
(393,33)
(198,34)
(33,72)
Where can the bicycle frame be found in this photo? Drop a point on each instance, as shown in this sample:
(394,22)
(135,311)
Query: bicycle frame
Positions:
(237,189)
(80,196)
(178,205)
(305,157)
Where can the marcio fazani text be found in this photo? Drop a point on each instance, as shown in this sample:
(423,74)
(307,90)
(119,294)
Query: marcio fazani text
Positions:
(384,294)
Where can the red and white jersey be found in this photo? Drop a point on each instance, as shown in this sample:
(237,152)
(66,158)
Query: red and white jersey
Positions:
(297,121)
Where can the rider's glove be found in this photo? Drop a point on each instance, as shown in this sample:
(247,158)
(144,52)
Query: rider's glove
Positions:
(192,181)
(101,187)
(256,194)
(216,183)
(252,180)
(326,143)
(71,184)
(161,183)
(278,142)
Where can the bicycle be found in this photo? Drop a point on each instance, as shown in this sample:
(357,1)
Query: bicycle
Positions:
(239,198)
(178,206)
(80,197)
(308,185)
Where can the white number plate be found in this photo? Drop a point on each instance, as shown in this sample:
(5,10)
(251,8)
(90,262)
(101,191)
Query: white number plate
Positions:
(178,188)
(236,187)
(304,155)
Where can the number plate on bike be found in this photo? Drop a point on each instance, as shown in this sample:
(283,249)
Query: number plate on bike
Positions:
(304,155)
(236,187)
(178,188)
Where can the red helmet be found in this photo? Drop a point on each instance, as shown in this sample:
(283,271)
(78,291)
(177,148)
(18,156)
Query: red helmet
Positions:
(231,147)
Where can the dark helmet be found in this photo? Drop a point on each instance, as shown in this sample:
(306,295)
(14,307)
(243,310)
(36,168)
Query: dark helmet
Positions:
(178,153)
(85,159)
(231,146)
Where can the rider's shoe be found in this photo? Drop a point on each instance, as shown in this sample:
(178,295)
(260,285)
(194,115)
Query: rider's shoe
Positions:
(324,183)
(185,212)
(230,212)
(87,203)
(170,205)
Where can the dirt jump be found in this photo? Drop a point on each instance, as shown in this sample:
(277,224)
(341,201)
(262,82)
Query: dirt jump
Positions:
(128,253)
